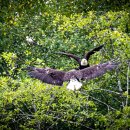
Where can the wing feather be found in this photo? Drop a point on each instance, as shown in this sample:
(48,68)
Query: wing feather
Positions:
(87,56)
(49,76)
(90,72)
(71,55)
(56,77)
(97,70)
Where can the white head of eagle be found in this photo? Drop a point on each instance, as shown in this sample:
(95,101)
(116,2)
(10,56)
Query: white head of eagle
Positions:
(84,62)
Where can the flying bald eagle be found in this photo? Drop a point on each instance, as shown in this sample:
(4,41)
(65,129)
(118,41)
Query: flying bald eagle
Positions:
(57,77)
(83,63)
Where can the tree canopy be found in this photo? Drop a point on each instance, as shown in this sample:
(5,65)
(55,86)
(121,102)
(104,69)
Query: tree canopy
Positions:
(74,26)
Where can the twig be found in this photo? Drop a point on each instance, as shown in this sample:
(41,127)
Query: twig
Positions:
(127,87)
(119,86)
(58,118)
(108,106)
(110,91)
(112,47)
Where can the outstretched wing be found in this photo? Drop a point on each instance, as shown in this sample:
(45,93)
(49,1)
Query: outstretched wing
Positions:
(87,56)
(50,76)
(56,77)
(98,70)
(90,72)
(71,56)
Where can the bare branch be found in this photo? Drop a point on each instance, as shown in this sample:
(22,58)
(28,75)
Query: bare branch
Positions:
(127,87)
(100,89)
(119,86)
(108,106)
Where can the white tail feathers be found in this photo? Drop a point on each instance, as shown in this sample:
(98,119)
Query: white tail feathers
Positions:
(74,84)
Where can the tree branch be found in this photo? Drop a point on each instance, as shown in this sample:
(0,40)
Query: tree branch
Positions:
(127,87)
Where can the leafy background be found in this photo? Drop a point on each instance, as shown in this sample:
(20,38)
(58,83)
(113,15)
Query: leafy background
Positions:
(75,26)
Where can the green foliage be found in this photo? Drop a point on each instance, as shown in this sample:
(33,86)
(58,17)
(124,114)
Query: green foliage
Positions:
(71,26)
(31,104)
(34,105)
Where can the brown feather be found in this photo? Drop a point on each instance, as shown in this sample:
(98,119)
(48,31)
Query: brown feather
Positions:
(47,75)
(71,56)
(56,77)
(86,56)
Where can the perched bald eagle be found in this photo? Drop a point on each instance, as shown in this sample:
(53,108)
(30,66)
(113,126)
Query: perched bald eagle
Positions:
(83,63)
(57,77)
(31,40)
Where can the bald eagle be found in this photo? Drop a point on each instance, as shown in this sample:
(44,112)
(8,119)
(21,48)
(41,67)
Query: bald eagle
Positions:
(31,40)
(83,63)
(57,77)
